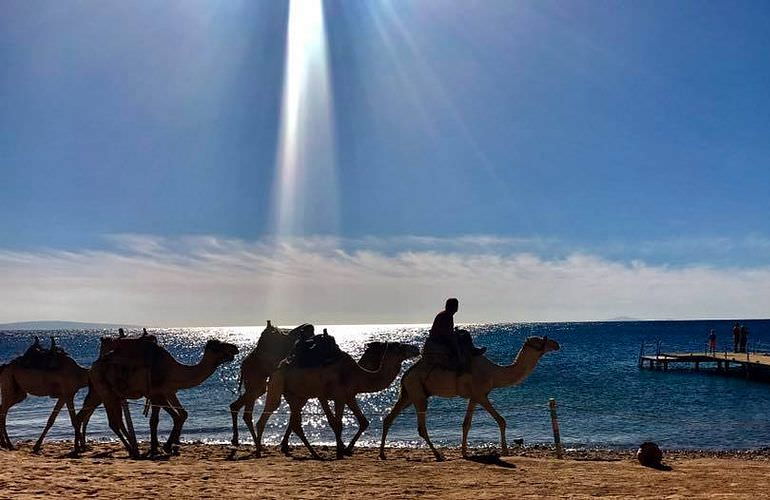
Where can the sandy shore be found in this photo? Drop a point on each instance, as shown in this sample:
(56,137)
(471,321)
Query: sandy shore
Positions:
(208,471)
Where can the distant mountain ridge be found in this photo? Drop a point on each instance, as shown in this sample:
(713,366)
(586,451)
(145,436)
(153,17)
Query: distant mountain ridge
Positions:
(60,325)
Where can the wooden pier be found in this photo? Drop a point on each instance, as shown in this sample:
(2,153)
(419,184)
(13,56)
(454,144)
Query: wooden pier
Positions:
(721,362)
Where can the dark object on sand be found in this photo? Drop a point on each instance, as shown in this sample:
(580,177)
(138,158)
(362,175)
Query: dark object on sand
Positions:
(649,455)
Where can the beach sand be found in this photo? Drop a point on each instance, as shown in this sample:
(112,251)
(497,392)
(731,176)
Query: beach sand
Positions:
(204,471)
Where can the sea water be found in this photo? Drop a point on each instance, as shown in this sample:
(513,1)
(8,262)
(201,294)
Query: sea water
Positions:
(603,398)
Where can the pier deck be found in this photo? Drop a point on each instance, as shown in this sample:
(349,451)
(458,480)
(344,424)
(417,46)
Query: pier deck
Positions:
(721,361)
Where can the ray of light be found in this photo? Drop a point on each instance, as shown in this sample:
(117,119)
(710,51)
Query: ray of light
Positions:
(388,24)
(306,187)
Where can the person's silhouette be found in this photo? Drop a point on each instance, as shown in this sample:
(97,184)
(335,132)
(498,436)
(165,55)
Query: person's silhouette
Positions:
(459,343)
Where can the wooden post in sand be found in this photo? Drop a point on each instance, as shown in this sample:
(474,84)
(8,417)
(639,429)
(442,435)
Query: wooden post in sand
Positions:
(555,427)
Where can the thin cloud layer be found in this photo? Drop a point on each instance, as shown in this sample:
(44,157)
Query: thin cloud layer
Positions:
(214,281)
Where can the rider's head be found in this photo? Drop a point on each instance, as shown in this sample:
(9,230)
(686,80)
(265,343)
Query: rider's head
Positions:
(452,305)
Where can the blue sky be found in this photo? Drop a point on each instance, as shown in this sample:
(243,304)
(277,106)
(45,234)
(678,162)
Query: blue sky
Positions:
(628,131)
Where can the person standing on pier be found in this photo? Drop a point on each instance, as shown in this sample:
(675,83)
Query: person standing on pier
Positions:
(736,336)
(744,338)
(713,341)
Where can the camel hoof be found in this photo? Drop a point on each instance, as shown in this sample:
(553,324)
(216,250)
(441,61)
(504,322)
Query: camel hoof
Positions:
(348,451)
(505,452)
(286,450)
(440,457)
(36,449)
(382,456)
(172,450)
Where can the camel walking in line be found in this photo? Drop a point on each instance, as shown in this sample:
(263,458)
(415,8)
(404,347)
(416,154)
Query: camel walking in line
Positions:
(273,346)
(145,369)
(41,372)
(424,379)
(131,348)
(339,382)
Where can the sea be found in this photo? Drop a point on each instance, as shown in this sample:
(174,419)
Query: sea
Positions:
(603,399)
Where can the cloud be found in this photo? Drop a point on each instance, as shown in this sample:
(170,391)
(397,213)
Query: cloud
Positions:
(189,281)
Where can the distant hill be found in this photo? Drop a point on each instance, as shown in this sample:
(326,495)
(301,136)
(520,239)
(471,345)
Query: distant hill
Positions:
(59,325)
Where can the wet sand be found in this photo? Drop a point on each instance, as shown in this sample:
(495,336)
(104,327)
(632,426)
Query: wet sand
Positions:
(209,471)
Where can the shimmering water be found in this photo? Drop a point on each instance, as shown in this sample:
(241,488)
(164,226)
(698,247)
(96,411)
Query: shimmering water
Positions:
(604,399)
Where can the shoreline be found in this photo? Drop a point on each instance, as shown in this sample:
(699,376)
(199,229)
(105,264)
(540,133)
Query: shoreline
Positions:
(545,451)
(209,471)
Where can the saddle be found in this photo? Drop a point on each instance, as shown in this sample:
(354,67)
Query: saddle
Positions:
(36,357)
(441,355)
(319,350)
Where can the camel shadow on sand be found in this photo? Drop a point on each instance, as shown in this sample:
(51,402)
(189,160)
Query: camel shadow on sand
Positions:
(491,459)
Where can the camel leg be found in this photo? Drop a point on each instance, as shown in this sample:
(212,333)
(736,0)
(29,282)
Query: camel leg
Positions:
(500,423)
(272,402)
(74,422)
(235,408)
(154,420)
(129,426)
(336,425)
(363,424)
(285,448)
(295,421)
(179,415)
(51,419)
(10,398)
(421,405)
(91,402)
(248,410)
(114,410)
(467,426)
(246,401)
(402,404)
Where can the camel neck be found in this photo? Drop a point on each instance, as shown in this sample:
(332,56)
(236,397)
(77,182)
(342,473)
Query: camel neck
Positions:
(375,381)
(515,373)
(187,376)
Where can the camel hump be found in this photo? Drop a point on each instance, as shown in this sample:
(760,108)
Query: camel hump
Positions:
(277,343)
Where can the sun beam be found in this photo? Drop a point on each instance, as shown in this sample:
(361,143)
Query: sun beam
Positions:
(306,185)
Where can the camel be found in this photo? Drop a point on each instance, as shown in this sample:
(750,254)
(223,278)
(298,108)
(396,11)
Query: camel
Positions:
(424,379)
(41,372)
(339,382)
(92,400)
(144,369)
(273,346)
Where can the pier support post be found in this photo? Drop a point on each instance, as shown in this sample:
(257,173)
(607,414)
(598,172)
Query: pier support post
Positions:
(555,427)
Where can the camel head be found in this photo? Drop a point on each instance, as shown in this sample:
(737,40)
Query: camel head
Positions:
(375,351)
(541,344)
(222,350)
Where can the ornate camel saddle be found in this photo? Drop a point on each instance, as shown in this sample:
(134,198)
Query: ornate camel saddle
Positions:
(319,350)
